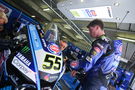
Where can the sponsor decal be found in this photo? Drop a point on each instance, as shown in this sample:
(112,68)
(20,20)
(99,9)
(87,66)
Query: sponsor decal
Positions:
(53,77)
(46,77)
(54,48)
(23,59)
(97,49)
(20,66)
(74,64)
(91,13)
(49,77)
(23,68)
(25,49)
(44,43)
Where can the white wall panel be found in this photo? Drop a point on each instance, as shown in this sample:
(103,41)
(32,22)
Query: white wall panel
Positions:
(133,27)
(130,50)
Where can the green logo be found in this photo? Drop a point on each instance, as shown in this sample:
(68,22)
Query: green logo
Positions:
(25,49)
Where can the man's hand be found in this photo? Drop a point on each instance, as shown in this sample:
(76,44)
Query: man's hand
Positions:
(73,73)
(63,45)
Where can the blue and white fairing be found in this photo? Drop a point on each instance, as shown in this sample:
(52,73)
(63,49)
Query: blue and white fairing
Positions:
(45,62)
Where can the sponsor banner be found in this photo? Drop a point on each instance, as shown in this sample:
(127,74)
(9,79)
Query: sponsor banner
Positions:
(24,69)
(95,12)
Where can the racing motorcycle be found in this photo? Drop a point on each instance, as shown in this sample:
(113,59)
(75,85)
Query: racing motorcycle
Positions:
(36,60)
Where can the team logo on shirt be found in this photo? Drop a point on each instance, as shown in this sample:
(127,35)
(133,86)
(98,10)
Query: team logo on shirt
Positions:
(74,64)
(97,49)
(88,58)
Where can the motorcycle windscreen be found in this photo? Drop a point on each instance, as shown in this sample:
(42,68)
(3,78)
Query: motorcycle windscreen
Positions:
(47,53)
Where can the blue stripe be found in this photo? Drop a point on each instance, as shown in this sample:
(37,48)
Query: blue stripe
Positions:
(34,59)
(35,37)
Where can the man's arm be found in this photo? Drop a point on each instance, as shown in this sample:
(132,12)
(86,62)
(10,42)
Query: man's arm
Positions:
(98,49)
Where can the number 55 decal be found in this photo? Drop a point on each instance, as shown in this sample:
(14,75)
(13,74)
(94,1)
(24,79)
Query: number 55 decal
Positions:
(52,62)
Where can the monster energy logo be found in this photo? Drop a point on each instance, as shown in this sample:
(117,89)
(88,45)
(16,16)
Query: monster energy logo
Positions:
(25,49)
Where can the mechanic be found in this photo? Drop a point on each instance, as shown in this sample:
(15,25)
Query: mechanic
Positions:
(3,21)
(100,61)
(4,38)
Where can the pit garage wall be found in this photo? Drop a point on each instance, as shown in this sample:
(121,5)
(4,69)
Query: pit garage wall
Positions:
(128,47)
(127,53)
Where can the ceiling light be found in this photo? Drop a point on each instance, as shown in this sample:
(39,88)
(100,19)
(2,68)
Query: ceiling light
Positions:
(81,0)
(46,9)
(126,39)
(33,16)
(117,18)
(116,4)
(70,2)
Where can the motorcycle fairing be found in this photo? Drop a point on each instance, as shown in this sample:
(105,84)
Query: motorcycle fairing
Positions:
(18,62)
(48,55)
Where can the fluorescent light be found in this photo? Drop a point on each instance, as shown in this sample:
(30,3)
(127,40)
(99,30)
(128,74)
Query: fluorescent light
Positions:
(117,18)
(126,39)
(81,0)
(46,9)
(116,4)
(33,16)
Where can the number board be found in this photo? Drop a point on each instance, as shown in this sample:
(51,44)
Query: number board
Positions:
(50,63)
